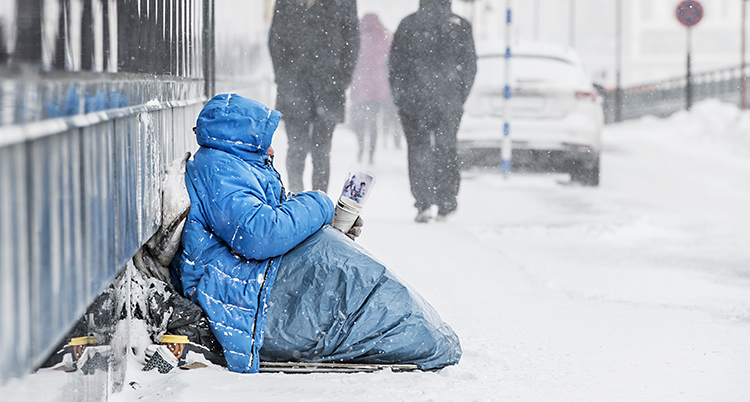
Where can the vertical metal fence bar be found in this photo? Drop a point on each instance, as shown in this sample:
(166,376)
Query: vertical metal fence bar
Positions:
(154,165)
(71,287)
(125,234)
(40,224)
(152,38)
(98,191)
(87,37)
(206,32)
(15,345)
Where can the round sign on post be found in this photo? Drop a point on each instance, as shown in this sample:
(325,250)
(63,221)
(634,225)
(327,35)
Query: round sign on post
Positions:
(689,12)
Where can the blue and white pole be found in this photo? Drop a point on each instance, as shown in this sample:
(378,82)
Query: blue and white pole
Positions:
(506,152)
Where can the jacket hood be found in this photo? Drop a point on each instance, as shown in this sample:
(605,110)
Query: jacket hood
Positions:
(237,125)
(371,23)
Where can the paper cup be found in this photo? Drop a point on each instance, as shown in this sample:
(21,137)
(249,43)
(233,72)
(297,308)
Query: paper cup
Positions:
(346,213)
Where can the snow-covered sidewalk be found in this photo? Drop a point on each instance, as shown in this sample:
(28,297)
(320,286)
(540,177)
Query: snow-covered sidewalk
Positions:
(633,291)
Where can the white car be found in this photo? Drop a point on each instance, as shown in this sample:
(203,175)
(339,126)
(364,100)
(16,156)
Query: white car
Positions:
(556,115)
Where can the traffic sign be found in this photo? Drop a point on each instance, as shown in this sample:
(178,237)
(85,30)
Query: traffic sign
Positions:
(689,12)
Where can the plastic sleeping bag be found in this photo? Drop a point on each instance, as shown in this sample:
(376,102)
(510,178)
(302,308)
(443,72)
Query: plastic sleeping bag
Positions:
(333,302)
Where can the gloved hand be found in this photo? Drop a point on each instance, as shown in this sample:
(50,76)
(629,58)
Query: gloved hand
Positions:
(356,229)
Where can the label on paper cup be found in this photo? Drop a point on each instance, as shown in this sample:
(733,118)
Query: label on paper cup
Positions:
(357,188)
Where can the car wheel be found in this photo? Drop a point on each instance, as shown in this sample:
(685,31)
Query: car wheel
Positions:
(586,174)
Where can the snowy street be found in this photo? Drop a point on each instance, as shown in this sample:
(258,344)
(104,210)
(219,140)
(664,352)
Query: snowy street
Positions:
(633,291)
(636,290)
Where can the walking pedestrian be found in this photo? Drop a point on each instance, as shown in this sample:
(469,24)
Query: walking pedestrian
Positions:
(431,70)
(314,46)
(370,91)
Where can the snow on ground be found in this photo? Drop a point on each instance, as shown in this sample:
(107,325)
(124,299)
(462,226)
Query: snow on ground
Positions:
(633,291)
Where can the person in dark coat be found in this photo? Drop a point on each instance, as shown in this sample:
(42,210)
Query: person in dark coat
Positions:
(314,45)
(431,70)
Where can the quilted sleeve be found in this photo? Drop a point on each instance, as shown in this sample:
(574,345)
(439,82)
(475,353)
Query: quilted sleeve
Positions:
(257,228)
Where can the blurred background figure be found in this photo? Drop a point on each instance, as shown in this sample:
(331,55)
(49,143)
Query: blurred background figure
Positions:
(314,46)
(370,93)
(431,70)
(391,124)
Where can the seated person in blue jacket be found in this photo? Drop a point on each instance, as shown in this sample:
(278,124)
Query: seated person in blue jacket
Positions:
(240,225)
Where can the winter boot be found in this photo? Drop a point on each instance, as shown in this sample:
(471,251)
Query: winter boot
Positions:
(424,216)
(160,358)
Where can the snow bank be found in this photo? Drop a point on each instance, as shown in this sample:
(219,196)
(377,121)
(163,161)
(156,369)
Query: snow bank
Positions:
(711,123)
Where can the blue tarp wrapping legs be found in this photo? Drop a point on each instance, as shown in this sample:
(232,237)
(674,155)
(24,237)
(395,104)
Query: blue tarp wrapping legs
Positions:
(333,302)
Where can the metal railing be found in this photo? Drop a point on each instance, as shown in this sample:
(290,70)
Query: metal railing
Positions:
(86,131)
(89,119)
(665,97)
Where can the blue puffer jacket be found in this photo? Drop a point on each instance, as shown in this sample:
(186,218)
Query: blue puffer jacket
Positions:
(240,224)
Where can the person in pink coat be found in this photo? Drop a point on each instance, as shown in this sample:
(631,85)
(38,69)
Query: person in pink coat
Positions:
(370,90)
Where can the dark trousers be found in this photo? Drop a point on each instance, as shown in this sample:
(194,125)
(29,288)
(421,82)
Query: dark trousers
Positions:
(309,137)
(433,159)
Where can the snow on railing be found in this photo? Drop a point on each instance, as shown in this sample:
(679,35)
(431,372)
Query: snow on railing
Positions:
(662,98)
